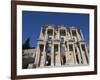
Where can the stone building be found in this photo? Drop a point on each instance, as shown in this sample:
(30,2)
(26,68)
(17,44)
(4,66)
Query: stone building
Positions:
(60,46)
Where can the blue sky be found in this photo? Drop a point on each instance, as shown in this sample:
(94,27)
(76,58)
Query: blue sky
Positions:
(33,20)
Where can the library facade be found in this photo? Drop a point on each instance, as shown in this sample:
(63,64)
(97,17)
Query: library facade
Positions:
(58,46)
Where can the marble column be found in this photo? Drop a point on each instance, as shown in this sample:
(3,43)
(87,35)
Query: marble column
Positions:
(59,55)
(52,55)
(71,35)
(66,55)
(36,62)
(79,37)
(43,57)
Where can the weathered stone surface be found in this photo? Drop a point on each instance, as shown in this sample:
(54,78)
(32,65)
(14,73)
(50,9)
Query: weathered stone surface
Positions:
(74,52)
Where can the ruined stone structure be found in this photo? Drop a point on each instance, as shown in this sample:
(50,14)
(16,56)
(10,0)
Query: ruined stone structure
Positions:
(60,46)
